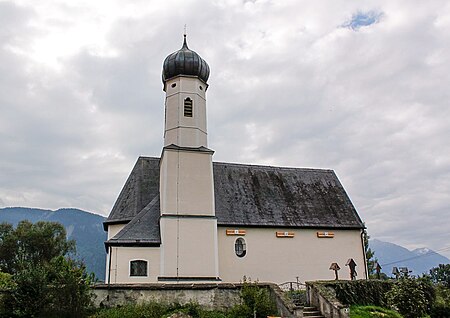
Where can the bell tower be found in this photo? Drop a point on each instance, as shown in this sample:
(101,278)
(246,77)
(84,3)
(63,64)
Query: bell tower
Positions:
(188,224)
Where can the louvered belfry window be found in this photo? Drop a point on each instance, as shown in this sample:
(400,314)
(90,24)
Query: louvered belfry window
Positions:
(188,111)
(138,268)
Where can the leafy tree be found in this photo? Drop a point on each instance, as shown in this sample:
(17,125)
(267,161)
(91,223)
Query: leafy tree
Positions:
(28,299)
(36,243)
(429,291)
(69,293)
(44,281)
(441,307)
(370,255)
(441,275)
(409,298)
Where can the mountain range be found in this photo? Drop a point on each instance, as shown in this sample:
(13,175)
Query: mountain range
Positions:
(83,227)
(87,230)
(418,261)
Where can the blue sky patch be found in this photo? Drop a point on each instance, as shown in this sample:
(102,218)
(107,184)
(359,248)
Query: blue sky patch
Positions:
(362,19)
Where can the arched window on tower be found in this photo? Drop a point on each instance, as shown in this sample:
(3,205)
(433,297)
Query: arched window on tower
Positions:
(188,111)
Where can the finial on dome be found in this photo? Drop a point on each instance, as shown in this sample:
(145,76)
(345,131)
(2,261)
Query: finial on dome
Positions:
(185,35)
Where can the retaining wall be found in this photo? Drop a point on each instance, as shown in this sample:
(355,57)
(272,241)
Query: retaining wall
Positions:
(220,296)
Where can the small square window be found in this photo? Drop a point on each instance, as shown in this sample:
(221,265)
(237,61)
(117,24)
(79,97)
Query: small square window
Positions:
(138,268)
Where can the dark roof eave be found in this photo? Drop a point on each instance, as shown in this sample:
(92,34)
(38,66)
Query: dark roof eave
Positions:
(306,226)
(142,243)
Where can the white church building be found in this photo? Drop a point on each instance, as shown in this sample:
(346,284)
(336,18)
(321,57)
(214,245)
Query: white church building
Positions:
(184,218)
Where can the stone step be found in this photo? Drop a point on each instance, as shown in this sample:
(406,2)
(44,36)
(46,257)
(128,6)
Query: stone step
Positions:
(311,312)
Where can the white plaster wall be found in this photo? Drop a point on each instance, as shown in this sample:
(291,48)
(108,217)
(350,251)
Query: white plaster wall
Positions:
(113,229)
(120,264)
(189,244)
(186,183)
(281,260)
(181,130)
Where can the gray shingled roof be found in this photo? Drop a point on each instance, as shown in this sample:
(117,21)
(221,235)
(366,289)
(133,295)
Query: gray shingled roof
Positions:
(245,195)
(140,188)
(143,229)
(282,197)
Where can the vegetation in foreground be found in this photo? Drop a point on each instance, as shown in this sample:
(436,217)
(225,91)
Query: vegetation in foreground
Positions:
(426,296)
(157,310)
(372,311)
(37,276)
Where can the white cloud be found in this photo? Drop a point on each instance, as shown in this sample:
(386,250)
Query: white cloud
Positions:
(81,98)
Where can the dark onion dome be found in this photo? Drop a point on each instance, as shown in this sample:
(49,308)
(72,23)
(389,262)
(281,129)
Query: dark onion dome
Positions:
(185,62)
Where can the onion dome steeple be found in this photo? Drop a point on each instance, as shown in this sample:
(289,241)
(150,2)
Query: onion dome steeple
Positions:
(185,62)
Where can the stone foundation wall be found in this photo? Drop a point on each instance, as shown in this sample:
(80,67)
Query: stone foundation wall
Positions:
(212,296)
(220,296)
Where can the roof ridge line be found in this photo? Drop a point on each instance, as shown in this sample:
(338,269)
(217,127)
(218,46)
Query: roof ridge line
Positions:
(270,166)
(237,164)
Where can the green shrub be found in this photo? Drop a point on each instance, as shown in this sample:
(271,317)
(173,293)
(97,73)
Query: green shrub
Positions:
(372,311)
(429,291)
(6,282)
(443,296)
(197,311)
(441,306)
(255,301)
(408,298)
(361,292)
(440,311)
(148,310)
(157,310)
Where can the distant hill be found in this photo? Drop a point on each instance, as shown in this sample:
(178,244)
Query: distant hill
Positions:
(419,261)
(84,227)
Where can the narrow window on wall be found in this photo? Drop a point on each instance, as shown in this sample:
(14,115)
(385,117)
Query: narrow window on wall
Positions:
(239,247)
(188,107)
(138,268)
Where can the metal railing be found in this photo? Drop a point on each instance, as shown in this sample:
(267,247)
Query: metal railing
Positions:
(291,286)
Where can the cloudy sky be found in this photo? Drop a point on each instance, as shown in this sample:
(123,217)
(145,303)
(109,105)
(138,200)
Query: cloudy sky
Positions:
(361,87)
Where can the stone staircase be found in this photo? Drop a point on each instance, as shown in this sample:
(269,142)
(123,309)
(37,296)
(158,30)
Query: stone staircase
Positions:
(311,312)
